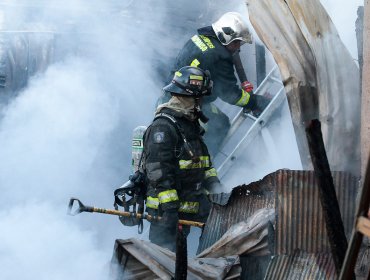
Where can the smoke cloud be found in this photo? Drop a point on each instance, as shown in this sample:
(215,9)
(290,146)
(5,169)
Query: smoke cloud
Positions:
(344,14)
(68,131)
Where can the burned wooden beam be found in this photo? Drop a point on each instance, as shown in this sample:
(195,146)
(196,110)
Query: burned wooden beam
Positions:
(328,197)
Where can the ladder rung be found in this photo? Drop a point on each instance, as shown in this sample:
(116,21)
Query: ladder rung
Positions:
(363,226)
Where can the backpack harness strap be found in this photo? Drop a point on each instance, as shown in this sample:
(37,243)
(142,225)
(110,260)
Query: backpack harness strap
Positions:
(179,129)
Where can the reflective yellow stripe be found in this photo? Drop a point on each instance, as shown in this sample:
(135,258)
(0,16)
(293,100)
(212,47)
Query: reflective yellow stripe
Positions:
(211,173)
(199,43)
(195,63)
(168,196)
(152,202)
(196,77)
(207,41)
(244,99)
(189,207)
(190,164)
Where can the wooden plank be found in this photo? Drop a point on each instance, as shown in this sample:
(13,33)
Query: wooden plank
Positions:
(328,198)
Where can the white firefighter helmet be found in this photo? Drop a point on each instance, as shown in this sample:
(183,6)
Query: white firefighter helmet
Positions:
(231,27)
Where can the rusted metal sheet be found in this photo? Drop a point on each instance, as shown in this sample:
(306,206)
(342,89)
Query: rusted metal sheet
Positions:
(299,218)
(300,221)
(244,201)
(299,225)
(249,237)
(310,56)
(255,267)
(301,265)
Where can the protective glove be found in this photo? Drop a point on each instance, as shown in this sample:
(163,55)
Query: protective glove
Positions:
(256,104)
(170,218)
(247,86)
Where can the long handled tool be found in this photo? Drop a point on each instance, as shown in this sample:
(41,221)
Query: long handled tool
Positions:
(79,207)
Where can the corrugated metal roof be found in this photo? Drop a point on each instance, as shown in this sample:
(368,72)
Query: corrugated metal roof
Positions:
(294,195)
(301,265)
(300,222)
(244,201)
(300,244)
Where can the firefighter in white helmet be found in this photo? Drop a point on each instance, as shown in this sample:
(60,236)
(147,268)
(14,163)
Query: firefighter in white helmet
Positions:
(213,48)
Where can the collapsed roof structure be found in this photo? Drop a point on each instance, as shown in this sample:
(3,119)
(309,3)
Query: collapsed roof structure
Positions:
(273,228)
(277,226)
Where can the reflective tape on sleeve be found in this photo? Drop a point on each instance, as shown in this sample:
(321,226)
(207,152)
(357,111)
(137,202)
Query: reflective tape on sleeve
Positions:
(211,173)
(189,207)
(199,43)
(195,63)
(244,99)
(191,164)
(207,41)
(168,196)
(152,202)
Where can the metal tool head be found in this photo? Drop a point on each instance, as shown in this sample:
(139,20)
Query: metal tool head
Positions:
(75,208)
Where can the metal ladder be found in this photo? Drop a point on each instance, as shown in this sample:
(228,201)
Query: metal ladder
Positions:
(232,147)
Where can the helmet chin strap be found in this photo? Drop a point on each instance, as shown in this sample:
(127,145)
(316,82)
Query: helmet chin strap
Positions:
(198,111)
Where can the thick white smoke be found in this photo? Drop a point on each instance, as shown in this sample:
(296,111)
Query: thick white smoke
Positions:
(68,133)
(343,13)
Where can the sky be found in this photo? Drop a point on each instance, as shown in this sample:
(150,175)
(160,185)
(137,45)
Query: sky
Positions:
(68,133)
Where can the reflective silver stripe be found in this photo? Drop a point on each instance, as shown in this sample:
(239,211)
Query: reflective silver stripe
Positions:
(244,99)
(189,207)
(152,202)
(168,196)
(190,164)
(211,173)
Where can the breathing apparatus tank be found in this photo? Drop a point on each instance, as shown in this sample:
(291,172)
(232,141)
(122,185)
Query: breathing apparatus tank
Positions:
(137,147)
(131,195)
